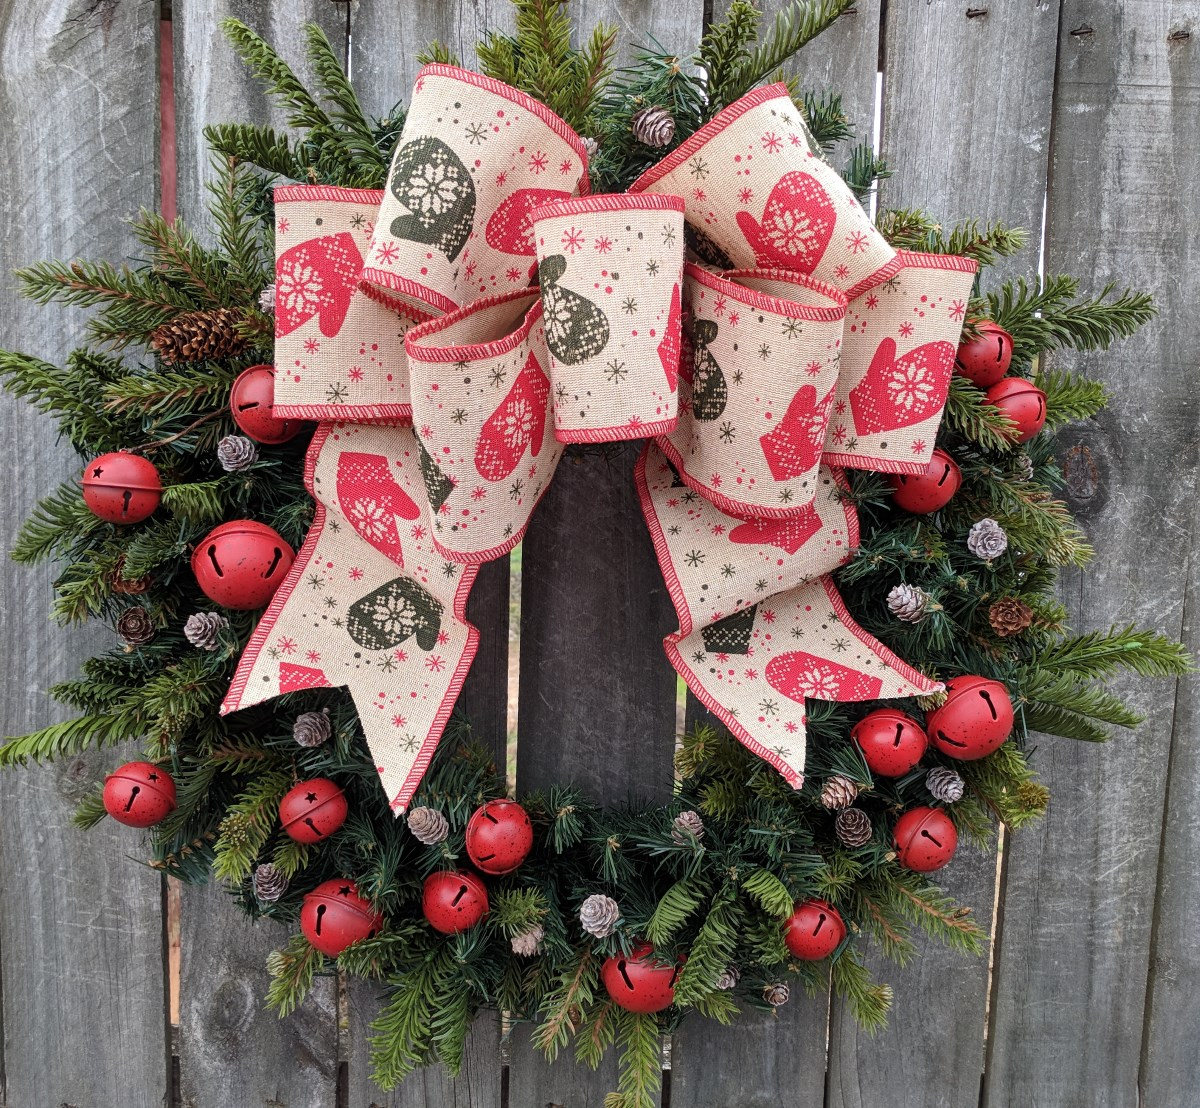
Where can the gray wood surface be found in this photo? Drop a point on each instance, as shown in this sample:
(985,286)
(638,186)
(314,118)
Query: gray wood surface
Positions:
(81,931)
(1078,939)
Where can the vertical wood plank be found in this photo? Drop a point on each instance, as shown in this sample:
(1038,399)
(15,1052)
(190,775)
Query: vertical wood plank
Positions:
(1075,947)
(81,936)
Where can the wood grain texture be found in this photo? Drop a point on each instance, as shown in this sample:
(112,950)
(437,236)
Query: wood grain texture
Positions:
(1075,947)
(81,934)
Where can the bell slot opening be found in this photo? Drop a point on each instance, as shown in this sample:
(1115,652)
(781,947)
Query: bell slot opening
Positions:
(999,348)
(948,740)
(624,974)
(313,827)
(126,498)
(987,696)
(133,793)
(944,477)
(462,891)
(212,557)
(820,924)
(320,915)
(490,818)
(675,975)
(274,564)
(247,406)
(899,734)
(926,835)
(486,857)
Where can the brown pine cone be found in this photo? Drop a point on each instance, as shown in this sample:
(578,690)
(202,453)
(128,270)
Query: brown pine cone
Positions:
(653,126)
(1009,616)
(135,626)
(838,792)
(269,883)
(853,827)
(119,584)
(428,825)
(312,728)
(687,823)
(776,995)
(207,335)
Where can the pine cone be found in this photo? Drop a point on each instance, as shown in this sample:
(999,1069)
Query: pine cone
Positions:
(776,995)
(119,584)
(853,827)
(591,146)
(266,298)
(203,629)
(1023,467)
(987,540)
(206,335)
(269,882)
(908,602)
(135,626)
(599,914)
(312,728)
(529,943)
(428,825)
(1009,616)
(944,784)
(729,978)
(236,452)
(838,792)
(687,823)
(653,126)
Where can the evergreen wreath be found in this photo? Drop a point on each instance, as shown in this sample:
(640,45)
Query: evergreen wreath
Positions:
(710,877)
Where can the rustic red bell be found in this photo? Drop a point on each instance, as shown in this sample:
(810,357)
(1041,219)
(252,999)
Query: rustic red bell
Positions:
(454,901)
(313,810)
(925,839)
(333,916)
(923,493)
(241,563)
(984,359)
(1023,402)
(252,402)
(121,487)
(976,718)
(639,983)
(814,930)
(891,742)
(139,794)
(499,836)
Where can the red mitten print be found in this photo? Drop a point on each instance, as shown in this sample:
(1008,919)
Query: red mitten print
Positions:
(796,227)
(510,228)
(670,347)
(786,534)
(794,446)
(518,425)
(372,501)
(293,678)
(317,277)
(898,392)
(798,675)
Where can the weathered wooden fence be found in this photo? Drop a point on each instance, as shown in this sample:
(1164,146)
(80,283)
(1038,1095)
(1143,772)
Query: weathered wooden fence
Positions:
(1079,121)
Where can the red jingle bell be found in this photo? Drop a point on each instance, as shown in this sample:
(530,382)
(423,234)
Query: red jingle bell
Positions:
(139,794)
(313,810)
(333,916)
(1023,402)
(121,487)
(976,718)
(923,493)
(814,930)
(454,901)
(252,402)
(639,983)
(984,359)
(499,836)
(891,742)
(925,839)
(240,564)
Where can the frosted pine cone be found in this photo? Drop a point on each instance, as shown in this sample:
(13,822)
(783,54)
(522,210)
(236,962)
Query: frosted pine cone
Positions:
(591,146)
(687,823)
(729,978)
(838,793)
(236,452)
(908,602)
(1009,616)
(598,915)
(269,883)
(529,943)
(203,629)
(135,626)
(944,784)
(853,827)
(266,298)
(1023,467)
(428,825)
(776,995)
(987,540)
(653,126)
(312,728)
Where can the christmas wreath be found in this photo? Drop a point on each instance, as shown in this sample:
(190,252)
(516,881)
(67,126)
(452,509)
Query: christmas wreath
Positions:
(849,480)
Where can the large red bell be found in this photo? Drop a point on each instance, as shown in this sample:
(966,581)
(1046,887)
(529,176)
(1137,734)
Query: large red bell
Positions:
(121,487)
(814,930)
(499,836)
(252,402)
(976,718)
(453,901)
(891,742)
(639,983)
(333,916)
(1023,402)
(313,810)
(925,839)
(139,794)
(984,359)
(923,493)
(240,564)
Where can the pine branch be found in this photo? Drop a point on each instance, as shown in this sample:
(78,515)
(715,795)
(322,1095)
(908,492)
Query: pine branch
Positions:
(292,970)
(640,1061)
(1070,397)
(869,1002)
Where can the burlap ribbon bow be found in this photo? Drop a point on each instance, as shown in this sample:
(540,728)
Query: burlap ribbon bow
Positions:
(455,330)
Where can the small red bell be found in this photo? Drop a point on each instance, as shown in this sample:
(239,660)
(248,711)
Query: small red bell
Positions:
(925,839)
(454,901)
(814,930)
(121,487)
(240,564)
(976,718)
(313,810)
(499,836)
(139,794)
(333,916)
(891,742)
(252,402)
(984,359)
(923,493)
(1023,402)
(639,983)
